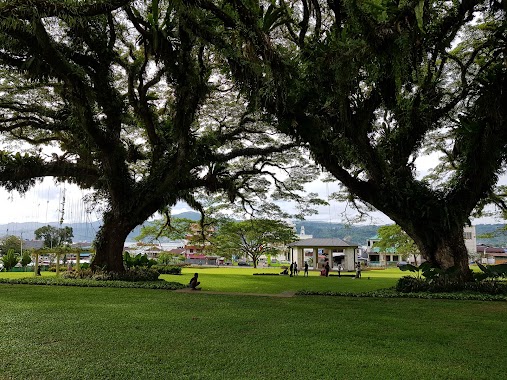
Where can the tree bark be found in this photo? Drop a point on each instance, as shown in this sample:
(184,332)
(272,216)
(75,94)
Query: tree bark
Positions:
(110,241)
(442,247)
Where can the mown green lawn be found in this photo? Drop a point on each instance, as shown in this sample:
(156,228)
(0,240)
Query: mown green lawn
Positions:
(100,333)
(242,280)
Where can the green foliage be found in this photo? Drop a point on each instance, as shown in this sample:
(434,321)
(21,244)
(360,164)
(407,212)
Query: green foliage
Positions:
(138,260)
(491,271)
(10,259)
(393,237)
(166,258)
(409,284)
(134,274)
(253,238)
(26,258)
(54,237)
(370,86)
(168,269)
(11,242)
(432,273)
(100,281)
(440,280)
(52,268)
(172,229)
(92,81)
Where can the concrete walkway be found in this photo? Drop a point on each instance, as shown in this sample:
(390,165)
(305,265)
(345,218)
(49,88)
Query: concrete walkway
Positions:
(287,294)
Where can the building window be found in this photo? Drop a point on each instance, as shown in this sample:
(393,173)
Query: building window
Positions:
(467,235)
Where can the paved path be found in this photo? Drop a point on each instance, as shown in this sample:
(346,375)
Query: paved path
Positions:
(286,294)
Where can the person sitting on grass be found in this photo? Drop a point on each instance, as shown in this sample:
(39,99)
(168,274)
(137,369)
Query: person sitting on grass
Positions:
(194,283)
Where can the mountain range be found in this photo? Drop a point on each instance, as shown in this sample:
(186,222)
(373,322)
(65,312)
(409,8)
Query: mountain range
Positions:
(357,234)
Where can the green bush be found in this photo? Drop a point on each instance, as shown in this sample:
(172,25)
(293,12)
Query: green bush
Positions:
(59,281)
(53,268)
(168,269)
(10,259)
(409,284)
(132,274)
(138,260)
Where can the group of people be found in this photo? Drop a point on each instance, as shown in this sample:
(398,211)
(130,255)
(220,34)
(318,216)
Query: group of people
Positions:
(327,268)
(294,271)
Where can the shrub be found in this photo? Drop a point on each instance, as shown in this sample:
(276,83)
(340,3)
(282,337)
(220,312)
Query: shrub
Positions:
(10,259)
(168,269)
(132,274)
(52,268)
(409,284)
(138,260)
(92,283)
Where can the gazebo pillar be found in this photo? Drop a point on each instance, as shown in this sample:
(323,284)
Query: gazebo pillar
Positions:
(300,259)
(315,259)
(36,267)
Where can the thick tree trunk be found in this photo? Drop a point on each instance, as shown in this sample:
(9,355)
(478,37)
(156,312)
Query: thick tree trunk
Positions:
(110,241)
(443,247)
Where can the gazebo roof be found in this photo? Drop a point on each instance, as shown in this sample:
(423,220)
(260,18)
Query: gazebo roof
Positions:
(323,243)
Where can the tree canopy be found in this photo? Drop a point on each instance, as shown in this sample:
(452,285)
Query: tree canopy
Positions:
(10,259)
(372,86)
(253,238)
(392,236)
(123,98)
(54,237)
(149,101)
(10,242)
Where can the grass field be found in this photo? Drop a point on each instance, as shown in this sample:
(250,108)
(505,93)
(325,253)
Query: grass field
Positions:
(242,280)
(91,333)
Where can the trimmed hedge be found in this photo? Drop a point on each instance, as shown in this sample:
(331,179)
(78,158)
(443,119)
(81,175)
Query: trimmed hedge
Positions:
(409,284)
(131,274)
(392,293)
(158,284)
(168,269)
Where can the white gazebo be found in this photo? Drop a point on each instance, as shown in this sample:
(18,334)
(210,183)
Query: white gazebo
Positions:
(338,252)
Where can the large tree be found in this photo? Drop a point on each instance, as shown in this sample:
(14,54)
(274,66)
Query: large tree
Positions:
(11,242)
(121,97)
(253,238)
(392,236)
(370,85)
(54,237)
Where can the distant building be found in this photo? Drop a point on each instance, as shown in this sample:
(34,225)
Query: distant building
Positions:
(319,251)
(302,235)
(470,238)
(491,255)
(389,257)
(378,258)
